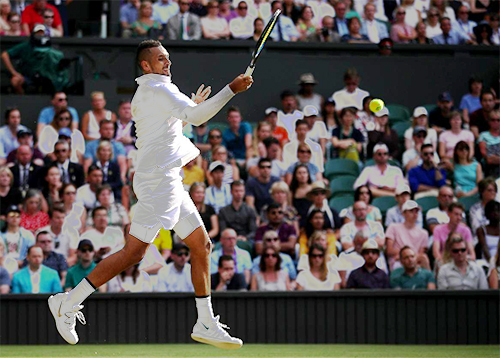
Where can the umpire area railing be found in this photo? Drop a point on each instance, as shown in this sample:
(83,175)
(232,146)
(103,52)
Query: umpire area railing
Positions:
(355,317)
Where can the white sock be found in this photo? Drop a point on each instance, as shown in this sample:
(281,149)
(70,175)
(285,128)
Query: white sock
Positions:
(78,294)
(204,307)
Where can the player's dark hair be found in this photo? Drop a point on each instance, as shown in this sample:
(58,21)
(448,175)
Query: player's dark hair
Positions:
(143,50)
(224,258)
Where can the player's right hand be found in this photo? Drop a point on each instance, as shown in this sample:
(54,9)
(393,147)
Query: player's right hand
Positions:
(241,83)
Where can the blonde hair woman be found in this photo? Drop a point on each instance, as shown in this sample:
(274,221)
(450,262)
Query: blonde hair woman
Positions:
(318,277)
(92,118)
(280,193)
(9,195)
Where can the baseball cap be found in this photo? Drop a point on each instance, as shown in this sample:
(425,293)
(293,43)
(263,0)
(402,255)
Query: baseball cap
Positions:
(330,100)
(380,146)
(370,244)
(445,97)
(383,112)
(24,131)
(66,132)
(410,205)
(307,79)
(39,27)
(420,111)
(310,111)
(13,208)
(179,247)
(271,110)
(403,188)
(419,129)
(215,165)
(85,242)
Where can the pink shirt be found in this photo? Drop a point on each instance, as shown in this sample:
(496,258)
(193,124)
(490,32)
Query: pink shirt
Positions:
(416,238)
(442,231)
(451,139)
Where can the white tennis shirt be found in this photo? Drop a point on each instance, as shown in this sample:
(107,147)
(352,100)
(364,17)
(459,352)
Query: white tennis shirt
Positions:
(158,109)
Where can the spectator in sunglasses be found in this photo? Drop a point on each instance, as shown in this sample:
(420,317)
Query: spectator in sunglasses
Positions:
(176,276)
(318,277)
(58,102)
(271,276)
(84,266)
(426,179)
(271,238)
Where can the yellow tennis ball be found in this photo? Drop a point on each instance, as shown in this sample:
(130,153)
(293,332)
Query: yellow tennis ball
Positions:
(376,105)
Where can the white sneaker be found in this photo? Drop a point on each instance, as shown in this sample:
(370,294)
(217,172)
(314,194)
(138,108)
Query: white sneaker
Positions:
(66,318)
(214,333)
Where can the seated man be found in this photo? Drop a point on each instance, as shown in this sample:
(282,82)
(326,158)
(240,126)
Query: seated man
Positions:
(412,157)
(382,178)
(461,274)
(271,238)
(407,234)
(395,214)
(70,172)
(258,189)
(36,277)
(25,137)
(450,36)
(373,229)
(176,276)
(238,137)
(369,275)
(426,179)
(225,279)
(51,259)
(411,276)
(86,194)
(218,195)
(83,267)
(241,26)
(287,234)
(439,215)
(228,247)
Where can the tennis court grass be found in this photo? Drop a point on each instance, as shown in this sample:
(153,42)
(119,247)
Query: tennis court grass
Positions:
(249,350)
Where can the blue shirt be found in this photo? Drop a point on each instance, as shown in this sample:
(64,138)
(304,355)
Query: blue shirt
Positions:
(287,28)
(241,257)
(47,114)
(235,143)
(260,191)
(419,175)
(128,13)
(286,265)
(470,103)
(453,38)
(163,12)
(313,169)
(91,149)
(399,279)
(8,142)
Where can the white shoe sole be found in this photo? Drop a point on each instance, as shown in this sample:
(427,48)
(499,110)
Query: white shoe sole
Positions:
(55,313)
(215,343)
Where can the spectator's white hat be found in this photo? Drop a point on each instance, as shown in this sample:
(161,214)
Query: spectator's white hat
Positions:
(215,165)
(380,146)
(307,79)
(370,244)
(310,111)
(410,205)
(271,110)
(420,111)
(318,186)
(39,27)
(383,112)
(403,188)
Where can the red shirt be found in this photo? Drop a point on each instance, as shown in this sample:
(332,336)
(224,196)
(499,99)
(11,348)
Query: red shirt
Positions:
(31,17)
(35,222)
(280,134)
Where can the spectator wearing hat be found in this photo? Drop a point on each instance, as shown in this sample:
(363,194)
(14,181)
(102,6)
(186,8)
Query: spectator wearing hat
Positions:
(306,95)
(71,173)
(16,239)
(375,29)
(439,118)
(36,277)
(59,102)
(409,234)
(383,133)
(318,196)
(85,253)
(258,189)
(411,276)
(228,240)
(284,30)
(33,14)
(176,276)
(461,273)
(450,36)
(26,173)
(286,232)
(420,119)
(25,137)
(442,232)
(369,275)
(427,178)
(395,214)
(412,157)
(280,133)
(51,258)
(479,118)
(218,195)
(317,128)
(8,133)
(238,215)
(226,278)
(382,178)
(351,95)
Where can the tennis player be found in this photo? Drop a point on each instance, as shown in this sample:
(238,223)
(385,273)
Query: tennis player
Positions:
(158,110)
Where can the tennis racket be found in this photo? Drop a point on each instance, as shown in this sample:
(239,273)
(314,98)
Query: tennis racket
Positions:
(262,41)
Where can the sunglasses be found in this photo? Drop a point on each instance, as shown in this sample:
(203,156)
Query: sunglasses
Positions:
(184,253)
(428,154)
(214,136)
(60,151)
(456,251)
(382,154)
(86,250)
(319,193)
(401,13)
(305,151)
(276,212)
(271,240)
(48,17)
(265,167)
(62,99)
(316,255)
(433,15)
(270,255)
(70,193)
(242,8)
(15,21)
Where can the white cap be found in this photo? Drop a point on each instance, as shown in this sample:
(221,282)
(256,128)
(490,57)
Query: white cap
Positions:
(215,165)
(271,110)
(420,111)
(403,188)
(310,111)
(370,244)
(39,27)
(410,205)
(380,146)
(383,112)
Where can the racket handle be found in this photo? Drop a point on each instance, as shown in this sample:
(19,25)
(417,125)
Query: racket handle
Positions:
(249,71)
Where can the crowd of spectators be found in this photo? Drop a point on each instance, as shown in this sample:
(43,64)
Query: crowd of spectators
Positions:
(451,22)
(266,193)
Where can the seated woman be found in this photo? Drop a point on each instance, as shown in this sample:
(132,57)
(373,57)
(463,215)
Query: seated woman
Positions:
(213,26)
(304,157)
(487,192)
(305,24)
(489,235)
(32,215)
(9,195)
(16,239)
(355,35)
(131,280)
(420,119)
(494,270)
(52,186)
(383,133)
(449,139)
(231,170)
(145,26)
(117,213)
(362,193)
(316,224)
(76,215)
(280,193)
(467,171)
(207,212)
(270,277)
(318,277)
(110,169)
(299,187)
(92,118)
(347,141)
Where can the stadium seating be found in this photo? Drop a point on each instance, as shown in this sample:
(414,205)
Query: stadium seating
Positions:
(398,113)
(468,201)
(430,107)
(384,203)
(341,202)
(427,203)
(400,128)
(336,167)
(342,185)
(245,245)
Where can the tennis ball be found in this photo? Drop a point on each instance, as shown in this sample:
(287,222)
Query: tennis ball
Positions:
(376,105)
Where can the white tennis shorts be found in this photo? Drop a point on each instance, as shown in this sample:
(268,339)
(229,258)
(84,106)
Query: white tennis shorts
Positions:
(162,202)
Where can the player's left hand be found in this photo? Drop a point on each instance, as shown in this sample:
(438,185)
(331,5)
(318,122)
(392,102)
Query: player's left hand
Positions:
(202,94)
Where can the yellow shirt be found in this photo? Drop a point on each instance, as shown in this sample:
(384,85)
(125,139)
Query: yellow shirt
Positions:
(330,237)
(193,175)
(164,240)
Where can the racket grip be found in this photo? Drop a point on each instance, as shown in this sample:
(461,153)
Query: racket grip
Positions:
(249,71)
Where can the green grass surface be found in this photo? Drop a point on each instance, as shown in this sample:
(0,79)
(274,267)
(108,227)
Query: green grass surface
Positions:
(250,350)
